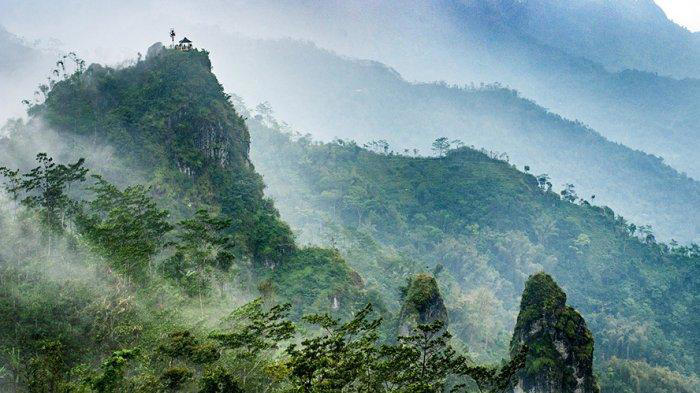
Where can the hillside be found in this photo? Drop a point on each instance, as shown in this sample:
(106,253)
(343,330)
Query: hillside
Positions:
(482,226)
(331,96)
(141,253)
(197,234)
(145,258)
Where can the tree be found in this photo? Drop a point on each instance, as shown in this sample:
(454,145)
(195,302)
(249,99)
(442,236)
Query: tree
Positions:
(569,193)
(420,362)
(256,330)
(380,146)
(343,358)
(441,146)
(218,380)
(126,226)
(45,188)
(45,370)
(347,358)
(265,114)
(201,247)
(113,371)
(543,181)
(251,337)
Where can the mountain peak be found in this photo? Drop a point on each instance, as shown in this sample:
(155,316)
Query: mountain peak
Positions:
(422,303)
(170,102)
(560,357)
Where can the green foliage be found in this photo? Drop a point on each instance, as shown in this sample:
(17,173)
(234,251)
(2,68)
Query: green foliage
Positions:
(630,376)
(45,188)
(345,357)
(174,377)
(341,359)
(126,226)
(218,380)
(420,290)
(112,371)
(299,279)
(45,370)
(258,330)
(542,296)
(201,248)
(422,303)
(421,361)
(184,345)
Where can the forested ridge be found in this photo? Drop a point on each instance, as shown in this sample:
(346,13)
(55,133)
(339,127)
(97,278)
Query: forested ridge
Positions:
(140,254)
(335,96)
(482,225)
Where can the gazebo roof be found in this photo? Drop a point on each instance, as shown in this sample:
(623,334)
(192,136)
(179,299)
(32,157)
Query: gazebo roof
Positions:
(185,41)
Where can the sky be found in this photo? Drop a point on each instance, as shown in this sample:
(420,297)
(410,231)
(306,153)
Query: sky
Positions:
(683,12)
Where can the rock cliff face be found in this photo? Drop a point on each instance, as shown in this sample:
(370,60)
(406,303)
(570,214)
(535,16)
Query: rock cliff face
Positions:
(560,356)
(423,304)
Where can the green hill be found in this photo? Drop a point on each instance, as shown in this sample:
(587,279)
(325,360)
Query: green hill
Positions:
(169,119)
(484,226)
(136,242)
(183,236)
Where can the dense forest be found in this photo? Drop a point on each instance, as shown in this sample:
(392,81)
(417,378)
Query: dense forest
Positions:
(140,254)
(162,267)
(482,226)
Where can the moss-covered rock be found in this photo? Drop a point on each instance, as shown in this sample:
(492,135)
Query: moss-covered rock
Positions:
(422,303)
(560,355)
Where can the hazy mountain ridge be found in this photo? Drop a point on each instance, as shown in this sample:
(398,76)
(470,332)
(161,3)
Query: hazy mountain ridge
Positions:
(332,96)
(21,67)
(627,34)
(471,41)
(480,41)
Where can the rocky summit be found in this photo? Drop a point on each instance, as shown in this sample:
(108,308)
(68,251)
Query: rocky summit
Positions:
(560,357)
